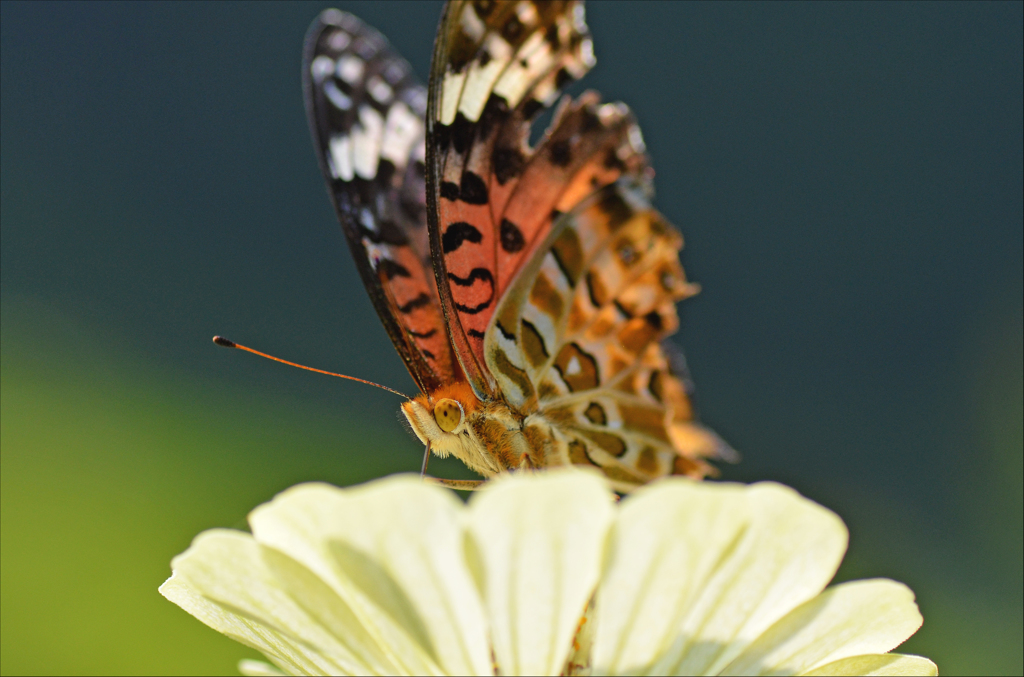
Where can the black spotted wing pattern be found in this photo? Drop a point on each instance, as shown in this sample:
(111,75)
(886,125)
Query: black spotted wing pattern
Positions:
(366,115)
(493,197)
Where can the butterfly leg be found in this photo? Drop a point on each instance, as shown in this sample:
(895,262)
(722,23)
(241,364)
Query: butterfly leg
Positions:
(461,485)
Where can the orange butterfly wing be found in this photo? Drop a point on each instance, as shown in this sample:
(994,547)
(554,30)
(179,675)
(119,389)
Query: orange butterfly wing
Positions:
(491,197)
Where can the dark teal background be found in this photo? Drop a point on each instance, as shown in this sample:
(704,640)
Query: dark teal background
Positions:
(848,178)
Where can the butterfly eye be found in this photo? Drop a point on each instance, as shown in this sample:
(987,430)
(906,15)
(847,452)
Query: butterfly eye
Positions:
(449,414)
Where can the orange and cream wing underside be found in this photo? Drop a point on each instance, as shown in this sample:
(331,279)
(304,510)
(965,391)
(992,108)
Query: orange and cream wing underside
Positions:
(577,343)
(493,197)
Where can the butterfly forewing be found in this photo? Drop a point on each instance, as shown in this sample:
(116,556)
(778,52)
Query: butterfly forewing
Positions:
(366,115)
(496,65)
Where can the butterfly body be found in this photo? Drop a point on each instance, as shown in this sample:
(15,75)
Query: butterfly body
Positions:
(527,288)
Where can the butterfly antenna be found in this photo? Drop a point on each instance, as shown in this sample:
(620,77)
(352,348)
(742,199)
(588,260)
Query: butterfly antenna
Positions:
(221,341)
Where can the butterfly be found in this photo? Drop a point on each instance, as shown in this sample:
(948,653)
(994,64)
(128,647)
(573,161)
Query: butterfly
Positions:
(528,289)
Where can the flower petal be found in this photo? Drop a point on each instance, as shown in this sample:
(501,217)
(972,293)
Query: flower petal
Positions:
(251,668)
(223,581)
(538,541)
(878,664)
(698,570)
(394,550)
(851,619)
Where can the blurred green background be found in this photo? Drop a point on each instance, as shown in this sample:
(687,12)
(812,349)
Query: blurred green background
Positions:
(848,178)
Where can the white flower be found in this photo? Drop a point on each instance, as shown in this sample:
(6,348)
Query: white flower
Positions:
(400,577)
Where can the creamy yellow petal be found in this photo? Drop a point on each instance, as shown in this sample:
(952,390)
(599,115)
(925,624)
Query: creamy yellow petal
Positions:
(379,645)
(852,619)
(537,541)
(697,571)
(878,664)
(223,581)
(394,550)
(252,668)
(665,542)
(250,632)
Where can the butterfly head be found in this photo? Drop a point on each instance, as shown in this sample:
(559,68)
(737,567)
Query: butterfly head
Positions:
(441,417)
(452,420)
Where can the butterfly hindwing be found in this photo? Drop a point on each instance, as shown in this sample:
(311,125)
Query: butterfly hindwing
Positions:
(366,114)
(576,341)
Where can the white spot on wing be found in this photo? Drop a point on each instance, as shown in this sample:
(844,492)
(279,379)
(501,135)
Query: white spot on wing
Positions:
(518,78)
(508,346)
(636,139)
(338,98)
(480,79)
(579,18)
(543,323)
(545,91)
(471,24)
(350,68)
(340,159)
(379,89)
(321,67)
(367,220)
(498,48)
(587,53)
(366,138)
(526,13)
(376,252)
(338,41)
(451,90)
(573,367)
(609,112)
(401,130)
